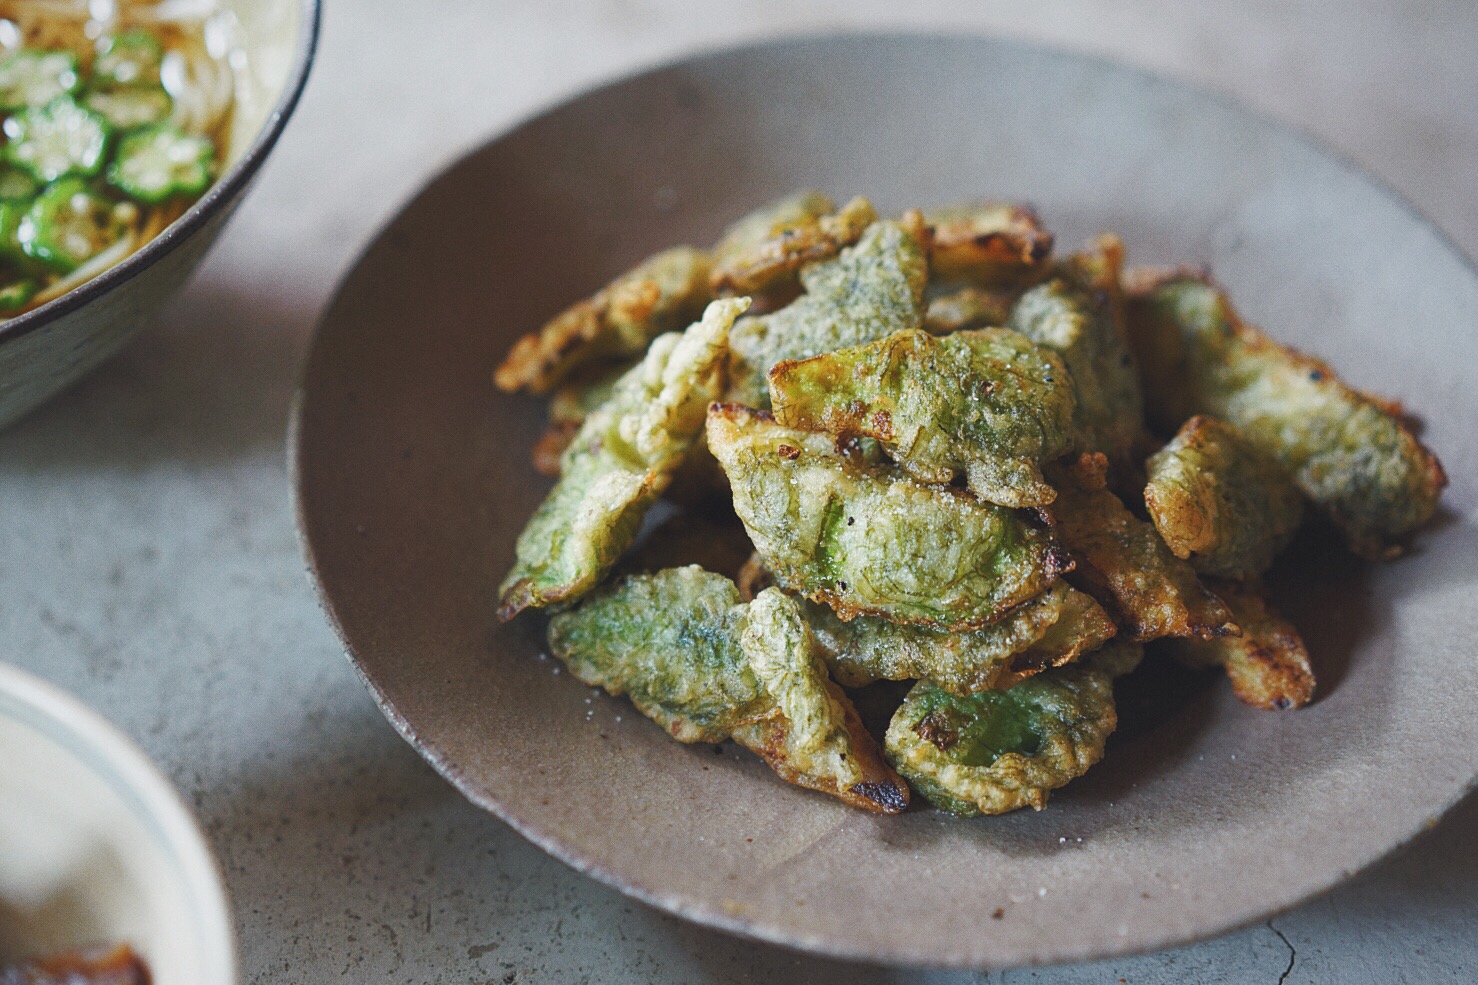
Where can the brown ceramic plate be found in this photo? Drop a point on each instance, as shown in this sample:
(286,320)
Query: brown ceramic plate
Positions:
(413,480)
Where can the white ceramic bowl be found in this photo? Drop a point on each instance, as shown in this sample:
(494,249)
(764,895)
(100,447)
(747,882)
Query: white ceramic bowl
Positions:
(96,847)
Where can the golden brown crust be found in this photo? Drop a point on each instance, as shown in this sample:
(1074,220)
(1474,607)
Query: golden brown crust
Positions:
(661,294)
(1268,665)
(992,243)
(773,262)
(1123,563)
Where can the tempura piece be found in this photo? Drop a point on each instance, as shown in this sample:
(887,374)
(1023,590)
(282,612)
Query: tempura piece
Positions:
(1220,503)
(764,250)
(1346,451)
(1124,564)
(1051,629)
(987,403)
(997,751)
(989,244)
(662,294)
(585,390)
(868,540)
(708,667)
(868,292)
(1268,664)
(970,307)
(619,463)
(1079,315)
(799,208)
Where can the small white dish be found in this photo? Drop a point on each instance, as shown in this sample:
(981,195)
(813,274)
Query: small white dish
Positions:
(96,846)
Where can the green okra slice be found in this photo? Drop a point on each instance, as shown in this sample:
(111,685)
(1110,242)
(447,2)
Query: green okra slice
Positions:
(1221,503)
(707,667)
(868,292)
(987,403)
(661,294)
(1352,455)
(867,539)
(1049,630)
(620,461)
(997,751)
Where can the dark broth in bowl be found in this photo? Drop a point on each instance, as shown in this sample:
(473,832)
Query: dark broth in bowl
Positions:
(115,119)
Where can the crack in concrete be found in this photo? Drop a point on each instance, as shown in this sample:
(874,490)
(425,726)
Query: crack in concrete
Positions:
(1292,953)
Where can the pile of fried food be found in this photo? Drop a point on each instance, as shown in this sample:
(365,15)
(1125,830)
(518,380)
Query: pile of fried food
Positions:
(927,449)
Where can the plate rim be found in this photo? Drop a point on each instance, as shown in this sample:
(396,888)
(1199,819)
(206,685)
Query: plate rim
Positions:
(675,903)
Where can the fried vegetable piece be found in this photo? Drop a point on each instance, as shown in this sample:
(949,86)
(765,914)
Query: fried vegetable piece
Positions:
(970,307)
(765,250)
(989,244)
(619,463)
(662,294)
(1220,503)
(1079,314)
(707,667)
(1349,454)
(868,540)
(769,221)
(1124,564)
(997,751)
(1049,630)
(1268,664)
(868,292)
(573,401)
(987,403)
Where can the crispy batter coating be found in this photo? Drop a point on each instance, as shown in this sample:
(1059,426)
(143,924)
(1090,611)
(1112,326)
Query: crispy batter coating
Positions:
(661,294)
(1049,630)
(987,403)
(868,292)
(1078,313)
(1124,564)
(1221,503)
(1268,664)
(868,540)
(991,244)
(998,751)
(765,250)
(708,667)
(970,307)
(619,463)
(1348,453)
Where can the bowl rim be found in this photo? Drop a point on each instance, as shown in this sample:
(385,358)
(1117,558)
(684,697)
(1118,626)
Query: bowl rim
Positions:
(118,763)
(218,196)
(677,905)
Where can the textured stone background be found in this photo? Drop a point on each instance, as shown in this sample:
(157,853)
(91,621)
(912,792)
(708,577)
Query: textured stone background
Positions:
(149,561)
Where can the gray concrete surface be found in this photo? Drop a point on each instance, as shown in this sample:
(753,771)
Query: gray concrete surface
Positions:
(148,560)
